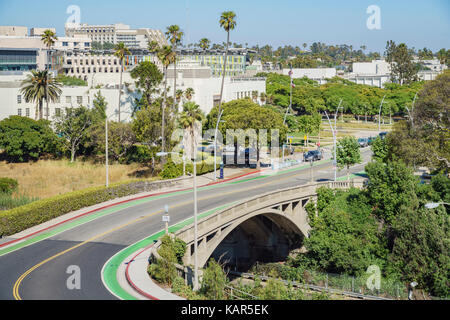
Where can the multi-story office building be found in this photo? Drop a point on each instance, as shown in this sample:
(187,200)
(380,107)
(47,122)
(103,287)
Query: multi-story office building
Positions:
(236,60)
(115,33)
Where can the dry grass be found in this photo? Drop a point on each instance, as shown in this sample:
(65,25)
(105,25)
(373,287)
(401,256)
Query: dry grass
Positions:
(47,178)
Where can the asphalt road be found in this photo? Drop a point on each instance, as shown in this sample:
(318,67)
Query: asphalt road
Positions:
(90,245)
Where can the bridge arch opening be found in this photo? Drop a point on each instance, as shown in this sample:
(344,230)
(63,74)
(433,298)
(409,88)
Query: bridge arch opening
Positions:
(263,238)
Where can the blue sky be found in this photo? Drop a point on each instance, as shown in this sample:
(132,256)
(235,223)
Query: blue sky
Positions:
(419,24)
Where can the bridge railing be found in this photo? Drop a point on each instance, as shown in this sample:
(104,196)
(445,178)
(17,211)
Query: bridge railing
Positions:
(204,224)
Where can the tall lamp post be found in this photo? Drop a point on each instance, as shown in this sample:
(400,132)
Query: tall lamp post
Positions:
(334,131)
(163,154)
(215,145)
(379,114)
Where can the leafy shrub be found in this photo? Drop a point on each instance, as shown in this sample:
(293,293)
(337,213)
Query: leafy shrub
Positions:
(8,185)
(139,154)
(23,139)
(214,281)
(172,170)
(163,270)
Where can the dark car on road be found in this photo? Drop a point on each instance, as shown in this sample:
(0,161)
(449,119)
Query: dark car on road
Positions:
(382,135)
(363,142)
(313,155)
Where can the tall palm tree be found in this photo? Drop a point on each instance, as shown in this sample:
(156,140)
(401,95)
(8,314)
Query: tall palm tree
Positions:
(227,22)
(120,52)
(262,97)
(187,120)
(189,93)
(204,44)
(48,38)
(166,56)
(180,94)
(39,86)
(174,34)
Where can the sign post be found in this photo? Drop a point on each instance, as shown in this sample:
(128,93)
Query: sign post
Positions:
(166,218)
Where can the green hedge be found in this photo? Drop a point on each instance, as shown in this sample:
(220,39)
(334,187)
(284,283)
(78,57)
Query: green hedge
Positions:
(172,170)
(35,213)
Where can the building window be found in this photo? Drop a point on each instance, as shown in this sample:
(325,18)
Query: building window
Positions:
(19,112)
(27,112)
(65,44)
(79,99)
(68,99)
(57,112)
(19,99)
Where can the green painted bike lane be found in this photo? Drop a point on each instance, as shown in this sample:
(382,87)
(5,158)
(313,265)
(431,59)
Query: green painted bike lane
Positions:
(109,270)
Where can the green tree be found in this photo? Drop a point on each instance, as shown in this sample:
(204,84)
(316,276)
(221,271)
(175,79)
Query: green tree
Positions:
(421,249)
(245,114)
(214,281)
(400,59)
(188,93)
(348,153)
(344,236)
(204,44)
(391,187)
(227,22)
(380,149)
(23,139)
(121,139)
(164,270)
(39,86)
(121,51)
(72,124)
(148,78)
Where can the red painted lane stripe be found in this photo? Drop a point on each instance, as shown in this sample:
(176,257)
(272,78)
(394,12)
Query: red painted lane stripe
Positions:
(115,204)
(127,276)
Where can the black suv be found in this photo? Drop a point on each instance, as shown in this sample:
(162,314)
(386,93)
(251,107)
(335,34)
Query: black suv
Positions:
(312,155)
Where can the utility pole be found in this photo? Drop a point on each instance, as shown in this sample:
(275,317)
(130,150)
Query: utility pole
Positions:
(379,114)
(215,145)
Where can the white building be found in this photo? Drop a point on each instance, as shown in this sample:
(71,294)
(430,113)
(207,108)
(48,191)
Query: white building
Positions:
(12,101)
(317,74)
(375,73)
(115,33)
(190,75)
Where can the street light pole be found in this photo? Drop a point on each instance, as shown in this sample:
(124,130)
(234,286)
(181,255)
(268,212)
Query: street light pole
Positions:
(379,114)
(195,229)
(215,145)
(106,151)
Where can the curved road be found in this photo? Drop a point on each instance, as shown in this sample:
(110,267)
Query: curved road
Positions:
(39,271)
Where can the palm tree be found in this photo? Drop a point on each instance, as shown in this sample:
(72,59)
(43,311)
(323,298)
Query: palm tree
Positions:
(39,86)
(227,22)
(204,44)
(179,95)
(174,34)
(305,45)
(189,93)
(48,38)
(254,96)
(187,120)
(166,56)
(262,97)
(121,51)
